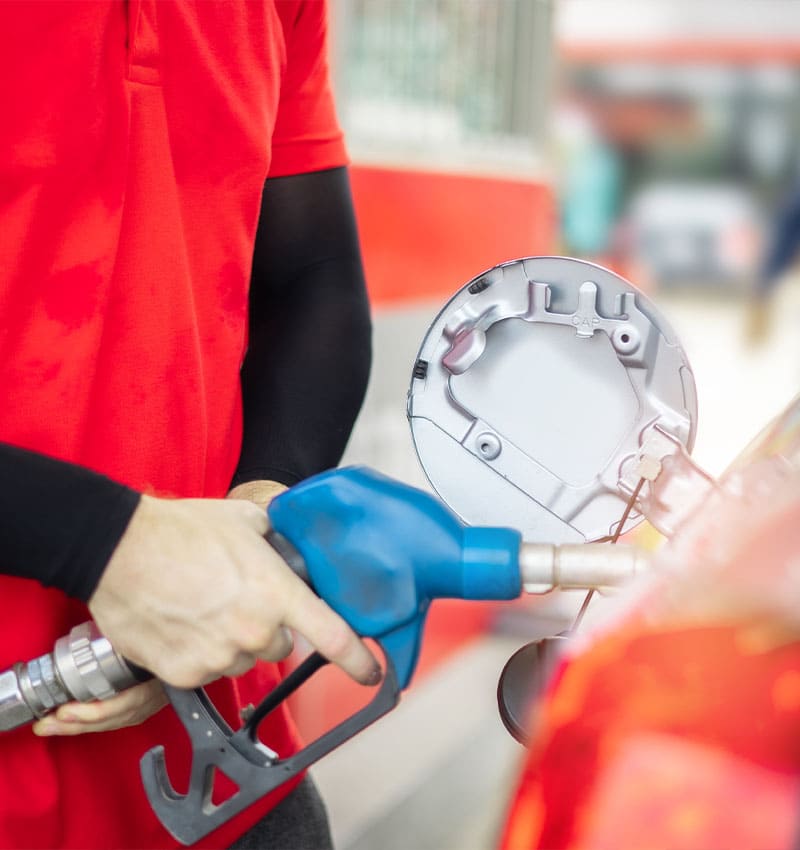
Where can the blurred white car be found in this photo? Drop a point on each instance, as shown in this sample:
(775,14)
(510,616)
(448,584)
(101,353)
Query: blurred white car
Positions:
(698,234)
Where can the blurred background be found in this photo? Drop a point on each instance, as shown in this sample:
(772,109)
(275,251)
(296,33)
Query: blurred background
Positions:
(657,137)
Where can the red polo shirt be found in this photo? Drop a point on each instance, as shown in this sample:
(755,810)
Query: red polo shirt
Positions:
(135,139)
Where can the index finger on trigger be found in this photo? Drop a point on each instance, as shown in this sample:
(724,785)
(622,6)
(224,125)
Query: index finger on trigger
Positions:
(331,636)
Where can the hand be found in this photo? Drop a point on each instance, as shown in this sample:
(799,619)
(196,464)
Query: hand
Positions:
(193,591)
(128,708)
(261,492)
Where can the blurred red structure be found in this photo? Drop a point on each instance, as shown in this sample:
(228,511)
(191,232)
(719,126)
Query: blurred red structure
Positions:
(424,234)
(742,51)
(682,738)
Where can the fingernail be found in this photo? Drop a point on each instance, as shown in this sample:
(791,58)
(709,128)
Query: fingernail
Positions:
(68,717)
(375,676)
(44,728)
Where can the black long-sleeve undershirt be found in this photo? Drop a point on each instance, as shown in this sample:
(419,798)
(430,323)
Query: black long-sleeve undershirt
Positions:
(309,356)
(303,382)
(59,523)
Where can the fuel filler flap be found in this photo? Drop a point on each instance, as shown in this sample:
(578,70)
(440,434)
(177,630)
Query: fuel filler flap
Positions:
(534,392)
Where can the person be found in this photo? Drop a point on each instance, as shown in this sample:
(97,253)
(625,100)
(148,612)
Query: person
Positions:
(783,245)
(184,319)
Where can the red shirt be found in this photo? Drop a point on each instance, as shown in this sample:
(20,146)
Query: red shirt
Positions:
(136,137)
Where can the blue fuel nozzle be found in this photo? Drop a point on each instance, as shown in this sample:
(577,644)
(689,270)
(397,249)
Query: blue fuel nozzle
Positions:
(379,552)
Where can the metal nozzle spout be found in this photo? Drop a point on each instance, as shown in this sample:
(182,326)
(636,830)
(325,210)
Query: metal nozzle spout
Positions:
(579,566)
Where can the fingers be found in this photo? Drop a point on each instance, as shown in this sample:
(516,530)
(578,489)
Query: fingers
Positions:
(330,635)
(279,647)
(129,708)
(243,662)
(193,591)
(255,515)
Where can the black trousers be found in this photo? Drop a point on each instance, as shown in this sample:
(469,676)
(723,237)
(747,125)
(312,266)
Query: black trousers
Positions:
(298,822)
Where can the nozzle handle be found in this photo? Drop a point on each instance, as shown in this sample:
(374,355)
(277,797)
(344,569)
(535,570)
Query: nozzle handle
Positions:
(378,552)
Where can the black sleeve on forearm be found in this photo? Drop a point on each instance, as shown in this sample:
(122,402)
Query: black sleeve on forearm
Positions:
(307,364)
(59,523)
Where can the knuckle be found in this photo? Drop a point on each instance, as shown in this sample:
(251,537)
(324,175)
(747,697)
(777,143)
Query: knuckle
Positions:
(243,663)
(338,641)
(131,717)
(87,712)
(255,636)
(221,658)
(287,641)
(215,665)
(279,647)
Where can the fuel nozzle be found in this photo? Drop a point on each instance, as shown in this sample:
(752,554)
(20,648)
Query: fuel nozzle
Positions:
(83,666)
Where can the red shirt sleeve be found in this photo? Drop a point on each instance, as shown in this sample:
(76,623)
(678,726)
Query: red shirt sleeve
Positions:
(307,136)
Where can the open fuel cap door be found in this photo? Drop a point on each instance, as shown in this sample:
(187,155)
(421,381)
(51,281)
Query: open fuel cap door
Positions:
(540,393)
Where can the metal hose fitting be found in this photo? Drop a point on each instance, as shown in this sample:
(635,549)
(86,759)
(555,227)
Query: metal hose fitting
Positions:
(83,666)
